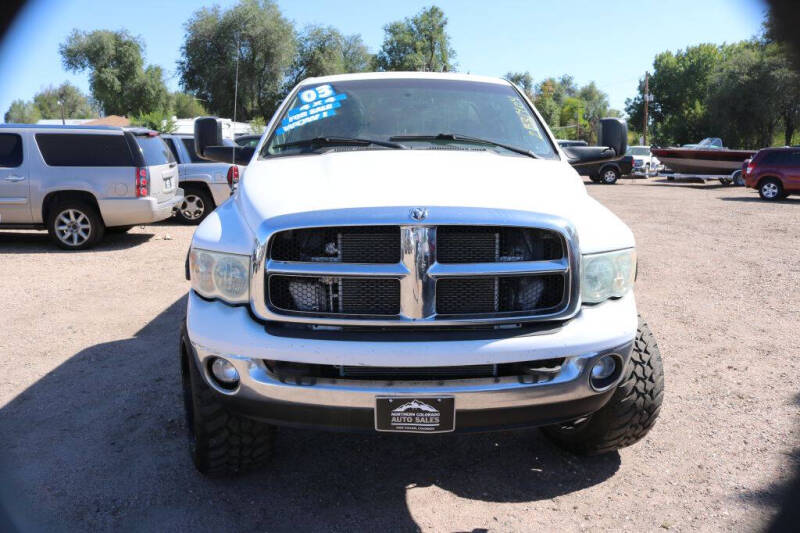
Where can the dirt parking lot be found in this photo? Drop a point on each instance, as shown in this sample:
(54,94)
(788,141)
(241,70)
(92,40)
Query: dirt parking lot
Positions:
(92,434)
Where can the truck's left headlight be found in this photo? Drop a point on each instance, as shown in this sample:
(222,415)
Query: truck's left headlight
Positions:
(607,275)
(220,275)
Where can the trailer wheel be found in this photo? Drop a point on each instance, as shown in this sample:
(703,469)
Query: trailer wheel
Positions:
(726,181)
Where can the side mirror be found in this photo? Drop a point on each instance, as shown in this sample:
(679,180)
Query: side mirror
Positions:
(612,136)
(208,144)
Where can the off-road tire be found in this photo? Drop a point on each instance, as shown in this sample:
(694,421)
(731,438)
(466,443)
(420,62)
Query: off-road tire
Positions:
(197,196)
(221,443)
(96,231)
(629,414)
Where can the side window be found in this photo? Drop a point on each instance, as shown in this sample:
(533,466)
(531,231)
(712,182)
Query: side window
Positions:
(172,148)
(774,158)
(84,150)
(189,144)
(10,150)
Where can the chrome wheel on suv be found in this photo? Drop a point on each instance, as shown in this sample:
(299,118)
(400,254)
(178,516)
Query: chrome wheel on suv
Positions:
(770,189)
(75,225)
(609,176)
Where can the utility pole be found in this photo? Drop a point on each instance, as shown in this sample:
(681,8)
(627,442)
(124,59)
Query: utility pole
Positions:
(646,103)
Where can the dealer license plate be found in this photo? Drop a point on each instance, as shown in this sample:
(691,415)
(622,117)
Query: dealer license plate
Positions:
(420,414)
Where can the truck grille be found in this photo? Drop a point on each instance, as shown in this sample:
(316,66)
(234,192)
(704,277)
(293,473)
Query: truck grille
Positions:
(471,244)
(417,275)
(532,294)
(335,295)
(358,244)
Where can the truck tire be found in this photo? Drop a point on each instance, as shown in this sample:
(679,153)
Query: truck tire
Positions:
(197,204)
(629,414)
(74,225)
(609,175)
(221,443)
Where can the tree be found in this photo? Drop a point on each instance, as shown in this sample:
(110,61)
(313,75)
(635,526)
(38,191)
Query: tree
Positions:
(255,33)
(160,121)
(322,51)
(419,43)
(187,106)
(21,112)
(524,81)
(118,79)
(66,99)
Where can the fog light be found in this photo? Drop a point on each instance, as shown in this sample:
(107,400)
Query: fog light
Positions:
(604,372)
(224,372)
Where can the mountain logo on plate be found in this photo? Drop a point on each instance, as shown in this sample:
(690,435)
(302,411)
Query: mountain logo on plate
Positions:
(415,414)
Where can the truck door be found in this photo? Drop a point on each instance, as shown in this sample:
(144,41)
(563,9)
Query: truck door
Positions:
(15,204)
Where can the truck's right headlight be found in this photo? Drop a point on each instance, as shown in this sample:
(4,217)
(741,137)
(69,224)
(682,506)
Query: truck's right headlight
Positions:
(607,275)
(220,275)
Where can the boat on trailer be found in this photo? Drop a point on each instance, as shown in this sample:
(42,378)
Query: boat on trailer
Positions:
(708,157)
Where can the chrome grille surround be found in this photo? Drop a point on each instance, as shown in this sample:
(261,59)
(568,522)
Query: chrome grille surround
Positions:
(417,270)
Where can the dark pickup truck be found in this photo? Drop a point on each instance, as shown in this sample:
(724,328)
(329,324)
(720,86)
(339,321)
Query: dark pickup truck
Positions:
(605,172)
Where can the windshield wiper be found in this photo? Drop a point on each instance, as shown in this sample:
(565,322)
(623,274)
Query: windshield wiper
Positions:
(463,138)
(346,141)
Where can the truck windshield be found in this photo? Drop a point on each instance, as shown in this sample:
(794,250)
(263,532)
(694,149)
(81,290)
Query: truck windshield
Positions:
(419,113)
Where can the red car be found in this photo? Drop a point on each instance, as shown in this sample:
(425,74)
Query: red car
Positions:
(774,172)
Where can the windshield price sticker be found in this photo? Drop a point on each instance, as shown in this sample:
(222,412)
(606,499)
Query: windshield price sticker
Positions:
(318,103)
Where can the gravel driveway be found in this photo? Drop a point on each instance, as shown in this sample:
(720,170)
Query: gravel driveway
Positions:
(92,435)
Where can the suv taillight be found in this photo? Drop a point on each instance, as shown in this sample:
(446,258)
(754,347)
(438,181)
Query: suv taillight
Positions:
(750,168)
(142,185)
(233,175)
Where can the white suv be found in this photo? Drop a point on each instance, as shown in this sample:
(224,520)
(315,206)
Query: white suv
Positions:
(79,181)
(413,252)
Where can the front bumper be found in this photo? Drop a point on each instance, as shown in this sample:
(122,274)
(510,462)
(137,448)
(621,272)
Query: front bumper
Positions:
(131,211)
(216,329)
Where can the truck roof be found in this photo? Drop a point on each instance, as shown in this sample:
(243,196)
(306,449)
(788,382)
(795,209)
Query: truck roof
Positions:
(405,75)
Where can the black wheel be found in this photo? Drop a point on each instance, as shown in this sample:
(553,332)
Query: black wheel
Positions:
(75,225)
(196,205)
(771,189)
(119,229)
(629,414)
(221,443)
(609,175)
(726,181)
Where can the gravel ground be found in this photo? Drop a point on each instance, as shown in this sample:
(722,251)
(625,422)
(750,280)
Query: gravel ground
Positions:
(92,434)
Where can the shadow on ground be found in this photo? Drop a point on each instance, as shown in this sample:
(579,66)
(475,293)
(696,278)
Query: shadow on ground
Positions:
(757,199)
(17,242)
(690,183)
(785,495)
(100,443)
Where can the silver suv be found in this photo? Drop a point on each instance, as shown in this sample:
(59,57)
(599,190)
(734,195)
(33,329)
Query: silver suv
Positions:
(78,181)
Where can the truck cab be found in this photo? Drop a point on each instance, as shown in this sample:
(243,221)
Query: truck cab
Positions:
(413,253)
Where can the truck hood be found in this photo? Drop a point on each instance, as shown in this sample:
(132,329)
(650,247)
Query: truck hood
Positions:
(426,178)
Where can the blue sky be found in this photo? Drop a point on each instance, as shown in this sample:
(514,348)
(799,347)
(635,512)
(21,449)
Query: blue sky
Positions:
(611,42)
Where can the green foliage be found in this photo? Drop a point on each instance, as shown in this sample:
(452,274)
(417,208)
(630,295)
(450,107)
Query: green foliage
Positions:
(418,43)
(21,112)
(186,106)
(322,51)
(258,125)
(119,81)
(66,98)
(741,92)
(255,32)
(160,121)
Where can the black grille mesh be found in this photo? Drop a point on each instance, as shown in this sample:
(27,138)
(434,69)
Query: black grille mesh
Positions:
(358,244)
(479,244)
(335,295)
(499,294)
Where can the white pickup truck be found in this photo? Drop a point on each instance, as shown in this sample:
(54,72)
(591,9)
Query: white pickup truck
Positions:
(206,184)
(412,253)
